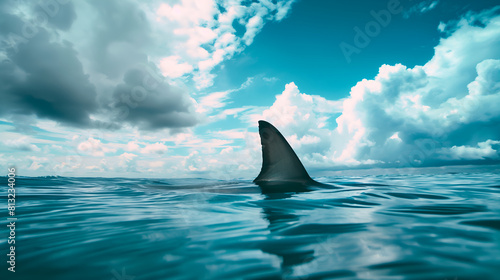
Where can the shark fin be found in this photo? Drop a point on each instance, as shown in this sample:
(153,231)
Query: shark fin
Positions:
(279,161)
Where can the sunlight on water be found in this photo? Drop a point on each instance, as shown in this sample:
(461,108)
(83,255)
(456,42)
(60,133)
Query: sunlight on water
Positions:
(373,227)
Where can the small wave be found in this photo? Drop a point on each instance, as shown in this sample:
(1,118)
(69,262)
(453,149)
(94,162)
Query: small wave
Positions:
(442,209)
(324,229)
(492,224)
(415,195)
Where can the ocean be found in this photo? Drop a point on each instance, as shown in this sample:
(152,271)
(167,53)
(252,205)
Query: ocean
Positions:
(434,226)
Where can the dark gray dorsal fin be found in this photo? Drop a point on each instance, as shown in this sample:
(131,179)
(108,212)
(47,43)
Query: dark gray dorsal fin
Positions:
(279,161)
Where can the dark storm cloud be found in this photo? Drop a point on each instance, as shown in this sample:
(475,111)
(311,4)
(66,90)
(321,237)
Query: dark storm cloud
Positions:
(42,73)
(41,77)
(58,15)
(119,49)
(146,101)
(120,39)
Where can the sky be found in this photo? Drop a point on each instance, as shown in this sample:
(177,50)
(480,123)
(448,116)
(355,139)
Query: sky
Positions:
(174,89)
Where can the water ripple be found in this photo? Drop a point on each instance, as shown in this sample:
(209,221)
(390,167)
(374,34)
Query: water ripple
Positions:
(441,209)
(442,226)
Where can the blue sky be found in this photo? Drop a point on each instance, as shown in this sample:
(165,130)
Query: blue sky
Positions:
(175,88)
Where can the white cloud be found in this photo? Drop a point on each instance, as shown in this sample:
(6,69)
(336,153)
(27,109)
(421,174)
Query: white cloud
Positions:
(421,8)
(270,79)
(213,101)
(170,67)
(302,118)
(37,162)
(127,162)
(127,156)
(179,138)
(230,112)
(194,163)
(215,159)
(446,109)
(247,83)
(457,55)
(253,26)
(427,107)
(156,164)
(484,150)
(95,147)
(205,35)
(231,134)
(298,112)
(102,167)
(441,27)
(430,7)
(283,9)
(156,148)
(132,146)
(188,11)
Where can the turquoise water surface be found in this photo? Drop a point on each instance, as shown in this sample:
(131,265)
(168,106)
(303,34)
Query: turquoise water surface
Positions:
(443,226)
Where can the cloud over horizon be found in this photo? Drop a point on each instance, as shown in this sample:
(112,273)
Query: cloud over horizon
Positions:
(136,94)
(98,64)
(428,115)
(443,112)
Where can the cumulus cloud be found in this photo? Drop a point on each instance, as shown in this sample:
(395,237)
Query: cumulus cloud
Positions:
(37,162)
(304,119)
(132,146)
(442,111)
(293,107)
(206,35)
(158,148)
(127,162)
(484,150)
(220,159)
(95,147)
(156,164)
(171,67)
(448,102)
